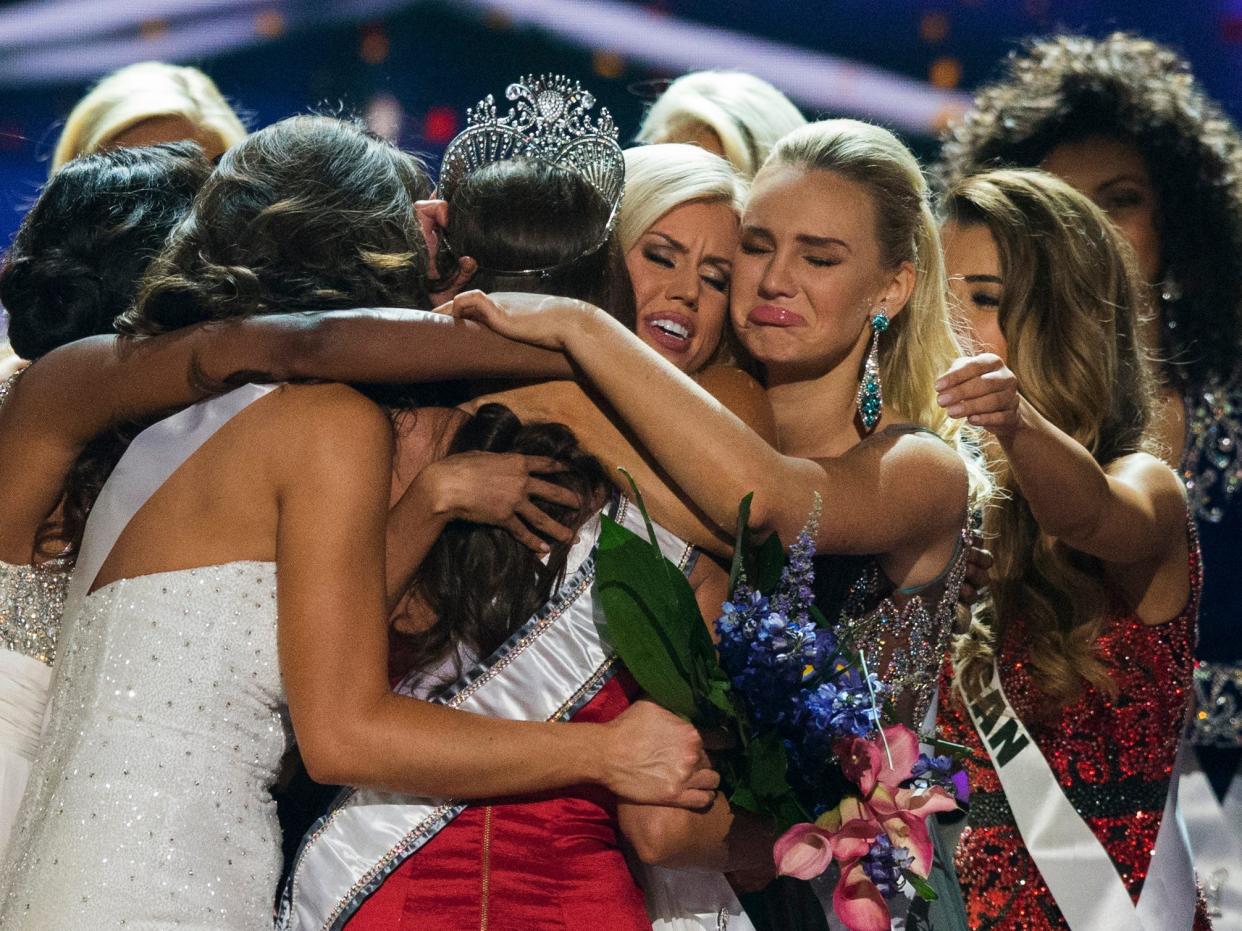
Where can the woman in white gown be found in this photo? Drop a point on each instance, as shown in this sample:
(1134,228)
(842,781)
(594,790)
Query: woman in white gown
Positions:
(74,263)
(150,807)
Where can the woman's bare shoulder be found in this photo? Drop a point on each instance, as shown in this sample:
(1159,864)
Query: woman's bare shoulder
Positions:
(742,395)
(299,417)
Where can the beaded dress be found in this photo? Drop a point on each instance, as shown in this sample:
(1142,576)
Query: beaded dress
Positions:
(31,601)
(1113,757)
(1211,790)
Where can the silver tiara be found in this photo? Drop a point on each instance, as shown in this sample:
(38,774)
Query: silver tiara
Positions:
(549,122)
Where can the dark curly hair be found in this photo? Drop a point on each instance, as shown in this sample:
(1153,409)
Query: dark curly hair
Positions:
(1066,88)
(311,213)
(81,250)
(506,581)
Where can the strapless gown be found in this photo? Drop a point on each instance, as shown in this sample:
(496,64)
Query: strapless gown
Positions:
(550,861)
(149,807)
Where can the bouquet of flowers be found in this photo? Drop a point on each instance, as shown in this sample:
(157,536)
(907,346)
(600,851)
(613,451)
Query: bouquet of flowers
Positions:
(803,710)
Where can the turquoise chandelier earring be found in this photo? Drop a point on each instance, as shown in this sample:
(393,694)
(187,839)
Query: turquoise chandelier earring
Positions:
(870,391)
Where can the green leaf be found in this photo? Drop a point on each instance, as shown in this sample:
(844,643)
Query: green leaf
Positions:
(768,766)
(921,886)
(642,506)
(637,623)
(742,797)
(768,562)
(741,541)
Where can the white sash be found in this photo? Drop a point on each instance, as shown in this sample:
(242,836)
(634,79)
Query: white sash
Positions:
(552,666)
(1074,864)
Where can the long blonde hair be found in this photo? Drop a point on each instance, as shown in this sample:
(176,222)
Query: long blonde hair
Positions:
(1070,311)
(746,113)
(143,91)
(920,343)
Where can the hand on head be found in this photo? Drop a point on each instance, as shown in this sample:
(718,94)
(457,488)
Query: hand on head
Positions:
(500,489)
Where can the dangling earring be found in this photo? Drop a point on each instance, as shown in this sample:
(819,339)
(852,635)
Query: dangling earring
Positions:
(870,391)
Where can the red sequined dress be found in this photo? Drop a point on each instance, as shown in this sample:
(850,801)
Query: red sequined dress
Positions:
(550,862)
(1112,756)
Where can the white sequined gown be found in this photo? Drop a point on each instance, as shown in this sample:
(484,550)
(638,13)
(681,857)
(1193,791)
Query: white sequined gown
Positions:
(149,807)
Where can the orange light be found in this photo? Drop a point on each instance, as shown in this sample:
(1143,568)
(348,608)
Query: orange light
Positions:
(945,72)
(151,29)
(269,23)
(607,64)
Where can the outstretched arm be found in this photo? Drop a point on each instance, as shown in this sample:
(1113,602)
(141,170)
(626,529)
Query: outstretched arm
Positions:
(330,464)
(75,392)
(1132,511)
(871,504)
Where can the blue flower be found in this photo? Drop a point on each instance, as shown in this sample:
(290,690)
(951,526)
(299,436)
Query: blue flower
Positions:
(885,865)
(941,770)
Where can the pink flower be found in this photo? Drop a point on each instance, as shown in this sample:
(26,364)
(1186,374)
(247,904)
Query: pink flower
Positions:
(803,852)
(846,832)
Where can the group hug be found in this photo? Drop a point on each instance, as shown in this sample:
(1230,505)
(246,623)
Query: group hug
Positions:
(316,471)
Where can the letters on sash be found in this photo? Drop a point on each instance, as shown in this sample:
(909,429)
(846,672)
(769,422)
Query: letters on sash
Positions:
(1077,869)
(1005,740)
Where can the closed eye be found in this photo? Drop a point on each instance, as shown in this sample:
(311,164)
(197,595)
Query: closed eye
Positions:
(658,258)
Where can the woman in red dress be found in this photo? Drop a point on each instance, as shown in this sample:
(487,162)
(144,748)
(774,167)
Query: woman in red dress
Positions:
(1091,630)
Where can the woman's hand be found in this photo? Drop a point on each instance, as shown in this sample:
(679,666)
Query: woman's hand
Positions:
(983,390)
(500,489)
(651,756)
(538,319)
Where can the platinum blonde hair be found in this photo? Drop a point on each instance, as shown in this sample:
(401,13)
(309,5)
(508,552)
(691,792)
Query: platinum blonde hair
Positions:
(747,113)
(921,342)
(143,91)
(662,177)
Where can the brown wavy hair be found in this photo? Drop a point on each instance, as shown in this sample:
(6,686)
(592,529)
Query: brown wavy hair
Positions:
(311,213)
(1065,88)
(525,213)
(1070,311)
(505,581)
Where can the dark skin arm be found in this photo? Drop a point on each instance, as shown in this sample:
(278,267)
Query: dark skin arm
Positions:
(76,391)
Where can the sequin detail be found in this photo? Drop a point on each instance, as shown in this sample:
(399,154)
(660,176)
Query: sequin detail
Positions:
(1212,466)
(150,806)
(1217,720)
(905,634)
(32,599)
(1112,756)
